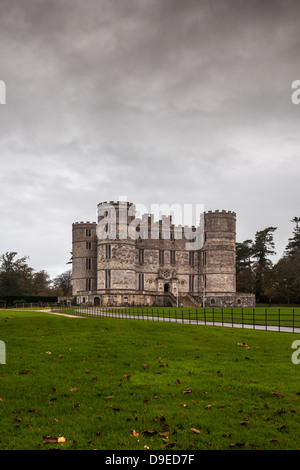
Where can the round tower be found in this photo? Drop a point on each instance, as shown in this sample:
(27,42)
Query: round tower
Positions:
(84,254)
(116,247)
(218,253)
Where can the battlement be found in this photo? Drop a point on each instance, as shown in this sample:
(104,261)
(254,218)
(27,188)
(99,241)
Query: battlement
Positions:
(220,213)
(115,203)
(84,223)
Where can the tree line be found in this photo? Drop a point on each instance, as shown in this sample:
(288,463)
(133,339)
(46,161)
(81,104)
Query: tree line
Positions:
(255,272)
(18,278)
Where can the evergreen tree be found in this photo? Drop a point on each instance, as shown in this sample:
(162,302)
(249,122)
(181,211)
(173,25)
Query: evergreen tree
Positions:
(294,242)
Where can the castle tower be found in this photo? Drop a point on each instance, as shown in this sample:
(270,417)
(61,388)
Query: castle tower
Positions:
(116,247)
(84,268)
(218,253)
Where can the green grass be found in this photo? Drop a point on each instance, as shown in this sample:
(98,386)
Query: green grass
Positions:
(272,316)
(125,384)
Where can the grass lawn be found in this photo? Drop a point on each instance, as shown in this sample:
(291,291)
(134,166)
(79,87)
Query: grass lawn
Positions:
(278,317)
(125,384)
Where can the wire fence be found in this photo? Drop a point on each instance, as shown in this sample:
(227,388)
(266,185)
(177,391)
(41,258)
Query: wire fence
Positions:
(272,319)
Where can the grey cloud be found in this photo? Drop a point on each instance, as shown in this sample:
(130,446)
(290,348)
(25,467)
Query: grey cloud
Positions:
(163,101)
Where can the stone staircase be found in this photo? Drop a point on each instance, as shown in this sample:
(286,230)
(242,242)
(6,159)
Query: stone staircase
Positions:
(188,301)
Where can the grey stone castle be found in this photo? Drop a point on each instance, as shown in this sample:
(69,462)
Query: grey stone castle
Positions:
(123,260)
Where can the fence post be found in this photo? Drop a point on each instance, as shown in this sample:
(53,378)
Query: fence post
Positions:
(279,318)
(266,319)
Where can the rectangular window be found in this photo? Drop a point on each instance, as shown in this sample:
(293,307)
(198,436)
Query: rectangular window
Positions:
(88,263)
(88,245)
(160,235)
(107,279)
(89,284)
(204,257)
(108,251)
(141,256)
(191,258)
(161,257)
(172,236)
(191,283)
(141,281)
(172,257)
(88,232)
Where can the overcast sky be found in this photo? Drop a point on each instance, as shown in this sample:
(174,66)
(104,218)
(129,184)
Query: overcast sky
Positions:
(162,101)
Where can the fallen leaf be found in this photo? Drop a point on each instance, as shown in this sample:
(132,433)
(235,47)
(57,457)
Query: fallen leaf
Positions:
(49,440)
(61,439)
(207,407)
(170,444)
(188,390)
(243,423)
(196,431)
(149,432)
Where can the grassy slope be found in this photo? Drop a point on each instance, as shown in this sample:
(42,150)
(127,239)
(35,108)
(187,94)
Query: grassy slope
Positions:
(105,378)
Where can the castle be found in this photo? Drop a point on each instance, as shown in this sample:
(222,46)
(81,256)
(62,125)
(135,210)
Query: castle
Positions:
(125,260)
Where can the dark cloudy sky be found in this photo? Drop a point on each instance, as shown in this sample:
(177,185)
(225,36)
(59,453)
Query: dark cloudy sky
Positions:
(163,101)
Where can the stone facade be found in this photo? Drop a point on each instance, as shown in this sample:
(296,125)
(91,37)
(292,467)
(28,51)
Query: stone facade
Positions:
(124,260)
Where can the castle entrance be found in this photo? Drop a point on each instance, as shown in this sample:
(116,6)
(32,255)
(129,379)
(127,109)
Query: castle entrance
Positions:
(96,302)
(166,288)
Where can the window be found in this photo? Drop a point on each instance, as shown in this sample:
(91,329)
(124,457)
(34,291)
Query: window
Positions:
(141,256)
(107,279)
(108,251)
(204,257)
(141,281)
(191,258)
(160,235)
(191,283)
(88,263)
(172,236)
(88,245)
(172,257)
(88,284)
(88,232)
(161,256)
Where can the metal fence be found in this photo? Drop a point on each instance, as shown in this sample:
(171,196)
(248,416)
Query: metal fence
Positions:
(271,319)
